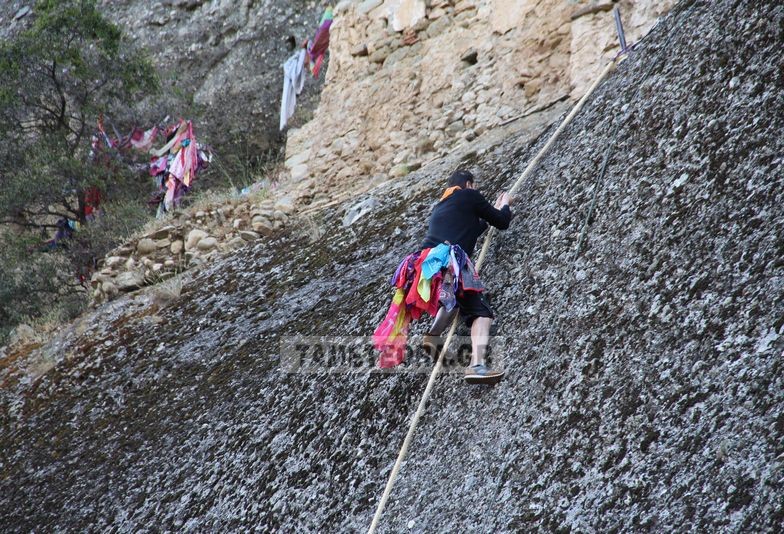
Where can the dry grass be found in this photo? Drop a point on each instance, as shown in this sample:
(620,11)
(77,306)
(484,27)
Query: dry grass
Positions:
(167,291)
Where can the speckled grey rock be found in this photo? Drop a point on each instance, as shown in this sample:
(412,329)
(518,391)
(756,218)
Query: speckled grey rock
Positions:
(645,379)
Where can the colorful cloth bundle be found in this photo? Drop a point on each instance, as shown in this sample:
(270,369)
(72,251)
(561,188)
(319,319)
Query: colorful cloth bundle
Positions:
(318,47)
(102,146)
(175,165)
(418,280)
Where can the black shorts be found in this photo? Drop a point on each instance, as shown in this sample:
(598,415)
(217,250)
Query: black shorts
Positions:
(473,304)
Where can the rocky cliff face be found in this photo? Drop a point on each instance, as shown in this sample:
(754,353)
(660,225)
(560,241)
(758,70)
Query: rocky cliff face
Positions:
(410,80)
(645,387)
(226,56)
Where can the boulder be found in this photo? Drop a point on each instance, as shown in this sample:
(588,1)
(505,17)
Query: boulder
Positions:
(262,225)
(23,12)
(298,159)
(98,278)
(161,233)
(508,14)
(249,236)
(378,56)
(146,246)
(361,50)
(129,280)
(114,261)
(207,243)
(194,236)
(176,247)
(237,242)
(109,289)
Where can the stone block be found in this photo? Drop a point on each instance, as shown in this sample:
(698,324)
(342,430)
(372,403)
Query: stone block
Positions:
(380,55)
(398,171)
(285,204)
(298,159)
(368,5)
(299,172)
(361,50)
(437,27)
(406,13)
(455,127)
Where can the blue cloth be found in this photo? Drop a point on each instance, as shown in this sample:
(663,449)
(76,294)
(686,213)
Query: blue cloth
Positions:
(437,258)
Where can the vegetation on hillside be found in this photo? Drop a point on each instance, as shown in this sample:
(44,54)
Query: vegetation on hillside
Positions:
(56,79)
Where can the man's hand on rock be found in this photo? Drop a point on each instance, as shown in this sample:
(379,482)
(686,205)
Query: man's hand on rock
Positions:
(503,200)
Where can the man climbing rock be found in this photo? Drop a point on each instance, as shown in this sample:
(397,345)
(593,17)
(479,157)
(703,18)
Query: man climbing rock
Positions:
(459,218)
(440,278)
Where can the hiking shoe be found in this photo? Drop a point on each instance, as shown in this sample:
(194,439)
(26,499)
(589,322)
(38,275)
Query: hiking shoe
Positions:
(482,374)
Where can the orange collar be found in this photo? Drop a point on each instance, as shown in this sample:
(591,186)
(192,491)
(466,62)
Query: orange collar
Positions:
(449,191)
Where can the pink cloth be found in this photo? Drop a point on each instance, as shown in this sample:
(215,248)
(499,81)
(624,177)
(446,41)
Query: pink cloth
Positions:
(141,139)
(391,334)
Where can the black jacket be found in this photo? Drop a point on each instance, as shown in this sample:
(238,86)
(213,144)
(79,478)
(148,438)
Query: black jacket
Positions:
(462,217)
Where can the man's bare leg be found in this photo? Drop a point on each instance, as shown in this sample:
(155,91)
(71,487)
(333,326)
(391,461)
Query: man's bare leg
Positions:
(478,372)
(480,337)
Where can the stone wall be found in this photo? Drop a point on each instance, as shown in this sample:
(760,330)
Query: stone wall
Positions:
(410,79)
(191,238)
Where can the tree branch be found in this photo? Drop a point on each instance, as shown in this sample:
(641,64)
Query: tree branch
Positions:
(27,224)
(58,87)
(39,213)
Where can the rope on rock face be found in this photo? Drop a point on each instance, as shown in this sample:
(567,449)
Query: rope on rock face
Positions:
(682,7)
(488,238)
(598,183)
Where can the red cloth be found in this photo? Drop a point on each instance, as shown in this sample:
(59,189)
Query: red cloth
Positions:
(92,200)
